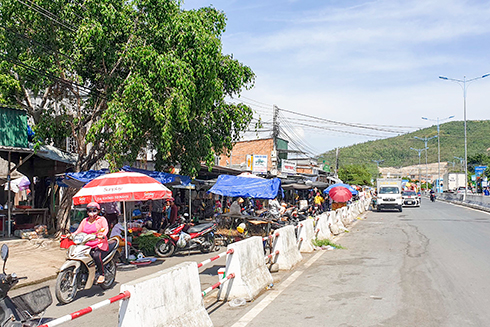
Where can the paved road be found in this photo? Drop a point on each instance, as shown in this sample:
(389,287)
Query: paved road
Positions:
(108,316)
(427,266)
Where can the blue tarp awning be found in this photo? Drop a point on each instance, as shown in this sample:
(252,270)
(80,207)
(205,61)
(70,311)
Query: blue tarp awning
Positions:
(78,180)
(247,187)
(351,189)
(164,178)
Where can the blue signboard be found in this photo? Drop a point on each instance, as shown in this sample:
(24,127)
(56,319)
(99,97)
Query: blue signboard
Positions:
(479,170)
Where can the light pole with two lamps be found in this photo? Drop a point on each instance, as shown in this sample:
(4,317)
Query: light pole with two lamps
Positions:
(426,139)
(438,189)
(463,83)
(420,181)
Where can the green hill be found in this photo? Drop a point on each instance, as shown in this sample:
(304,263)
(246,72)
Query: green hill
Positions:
(396,152)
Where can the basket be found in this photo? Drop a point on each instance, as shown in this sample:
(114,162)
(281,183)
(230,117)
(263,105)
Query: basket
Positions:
(33,302)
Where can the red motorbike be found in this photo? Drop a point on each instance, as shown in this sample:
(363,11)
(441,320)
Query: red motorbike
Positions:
(183,236)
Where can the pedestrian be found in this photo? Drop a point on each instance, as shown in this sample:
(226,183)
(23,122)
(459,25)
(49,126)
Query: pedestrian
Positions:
(156,211)
(172,211)
(111,212)
(236,207)
(486,191)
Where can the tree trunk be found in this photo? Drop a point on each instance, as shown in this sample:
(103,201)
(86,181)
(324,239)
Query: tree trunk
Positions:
(64,211)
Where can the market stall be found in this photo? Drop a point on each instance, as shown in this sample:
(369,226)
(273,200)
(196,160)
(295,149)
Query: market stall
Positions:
(122,187)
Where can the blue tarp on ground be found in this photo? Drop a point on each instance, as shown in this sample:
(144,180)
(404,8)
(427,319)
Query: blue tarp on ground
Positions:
(247,187)
(351,189)
(164,178)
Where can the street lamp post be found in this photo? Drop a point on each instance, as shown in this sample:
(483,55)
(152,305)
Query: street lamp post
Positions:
(438,150)
(426,139)
(461,160)
(463,83)
(419,151)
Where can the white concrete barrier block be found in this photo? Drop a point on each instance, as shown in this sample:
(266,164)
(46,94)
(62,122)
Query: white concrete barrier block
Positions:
(248,264)
(171,297)
(322,228)
(306,235)
(287,246)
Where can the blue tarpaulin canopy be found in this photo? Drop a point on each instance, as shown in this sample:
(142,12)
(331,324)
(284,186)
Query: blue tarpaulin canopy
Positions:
(78,180)
(164,178)
(247,187)
(351,189)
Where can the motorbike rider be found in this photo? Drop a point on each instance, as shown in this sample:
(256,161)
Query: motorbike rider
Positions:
(432,194)
(96,224)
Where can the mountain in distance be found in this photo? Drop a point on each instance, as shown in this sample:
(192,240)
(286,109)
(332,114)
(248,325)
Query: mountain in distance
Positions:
(396,152)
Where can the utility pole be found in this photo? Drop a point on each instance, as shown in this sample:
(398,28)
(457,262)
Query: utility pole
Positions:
(337,163)
(275,134)
(426,139)
(419,152)
(461,160)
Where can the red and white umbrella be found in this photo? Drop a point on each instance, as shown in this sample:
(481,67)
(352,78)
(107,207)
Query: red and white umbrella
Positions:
(121,186)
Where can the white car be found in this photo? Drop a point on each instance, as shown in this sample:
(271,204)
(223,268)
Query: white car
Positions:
(461,190)
(410,199)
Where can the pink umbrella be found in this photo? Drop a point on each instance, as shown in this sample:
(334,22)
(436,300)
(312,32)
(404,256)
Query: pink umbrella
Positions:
(340,194)
(122,186)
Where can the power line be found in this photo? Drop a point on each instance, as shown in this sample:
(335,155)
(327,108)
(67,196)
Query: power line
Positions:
(47,14)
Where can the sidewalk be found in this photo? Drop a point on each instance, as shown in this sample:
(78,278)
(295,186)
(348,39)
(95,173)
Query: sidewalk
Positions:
(38,259)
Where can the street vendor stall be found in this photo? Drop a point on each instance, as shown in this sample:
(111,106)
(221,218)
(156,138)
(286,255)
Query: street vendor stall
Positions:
(246,187)
(123,187)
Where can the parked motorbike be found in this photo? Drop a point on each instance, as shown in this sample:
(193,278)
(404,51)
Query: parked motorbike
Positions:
(184,237)
(432,197)
(78,272)
(19,311)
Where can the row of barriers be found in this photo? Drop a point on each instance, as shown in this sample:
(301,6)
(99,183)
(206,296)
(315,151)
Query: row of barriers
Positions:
(173,296)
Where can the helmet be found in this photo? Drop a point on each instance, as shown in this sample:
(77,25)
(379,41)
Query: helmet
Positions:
(93,205)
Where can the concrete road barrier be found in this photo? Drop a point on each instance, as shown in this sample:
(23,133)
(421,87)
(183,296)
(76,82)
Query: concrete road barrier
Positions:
(171,297)
(322,227)
(306,235)
(289,254)
(251,273)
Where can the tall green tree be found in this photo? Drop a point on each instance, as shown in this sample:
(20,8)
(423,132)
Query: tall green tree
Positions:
(355,174)
(121,78)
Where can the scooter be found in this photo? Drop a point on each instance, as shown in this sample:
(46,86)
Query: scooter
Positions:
(78,272)
(185,237)
(432,197)
(19,311)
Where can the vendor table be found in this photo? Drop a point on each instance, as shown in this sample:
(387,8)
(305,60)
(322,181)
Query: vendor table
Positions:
(25,212)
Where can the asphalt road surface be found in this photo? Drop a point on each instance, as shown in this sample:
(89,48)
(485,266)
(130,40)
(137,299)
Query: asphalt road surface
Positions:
(427,266)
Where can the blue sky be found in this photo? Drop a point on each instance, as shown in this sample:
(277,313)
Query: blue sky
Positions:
(359,62)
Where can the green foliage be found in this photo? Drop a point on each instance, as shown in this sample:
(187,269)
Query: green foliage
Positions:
(126,77)
(355,174)
(396,151)
(146,243)
(317,242)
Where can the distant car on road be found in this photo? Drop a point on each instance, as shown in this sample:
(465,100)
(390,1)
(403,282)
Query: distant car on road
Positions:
(461,190)
(410,199)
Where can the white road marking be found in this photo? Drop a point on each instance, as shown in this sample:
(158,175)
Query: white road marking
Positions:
(259,307)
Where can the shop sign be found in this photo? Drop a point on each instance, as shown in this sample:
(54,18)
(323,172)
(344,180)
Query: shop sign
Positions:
(288,167)
(259,163)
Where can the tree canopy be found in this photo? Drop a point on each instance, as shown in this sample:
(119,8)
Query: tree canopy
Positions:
(355,174)
(124,77)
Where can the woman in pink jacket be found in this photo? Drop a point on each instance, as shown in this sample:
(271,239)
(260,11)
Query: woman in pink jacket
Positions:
(95,224)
